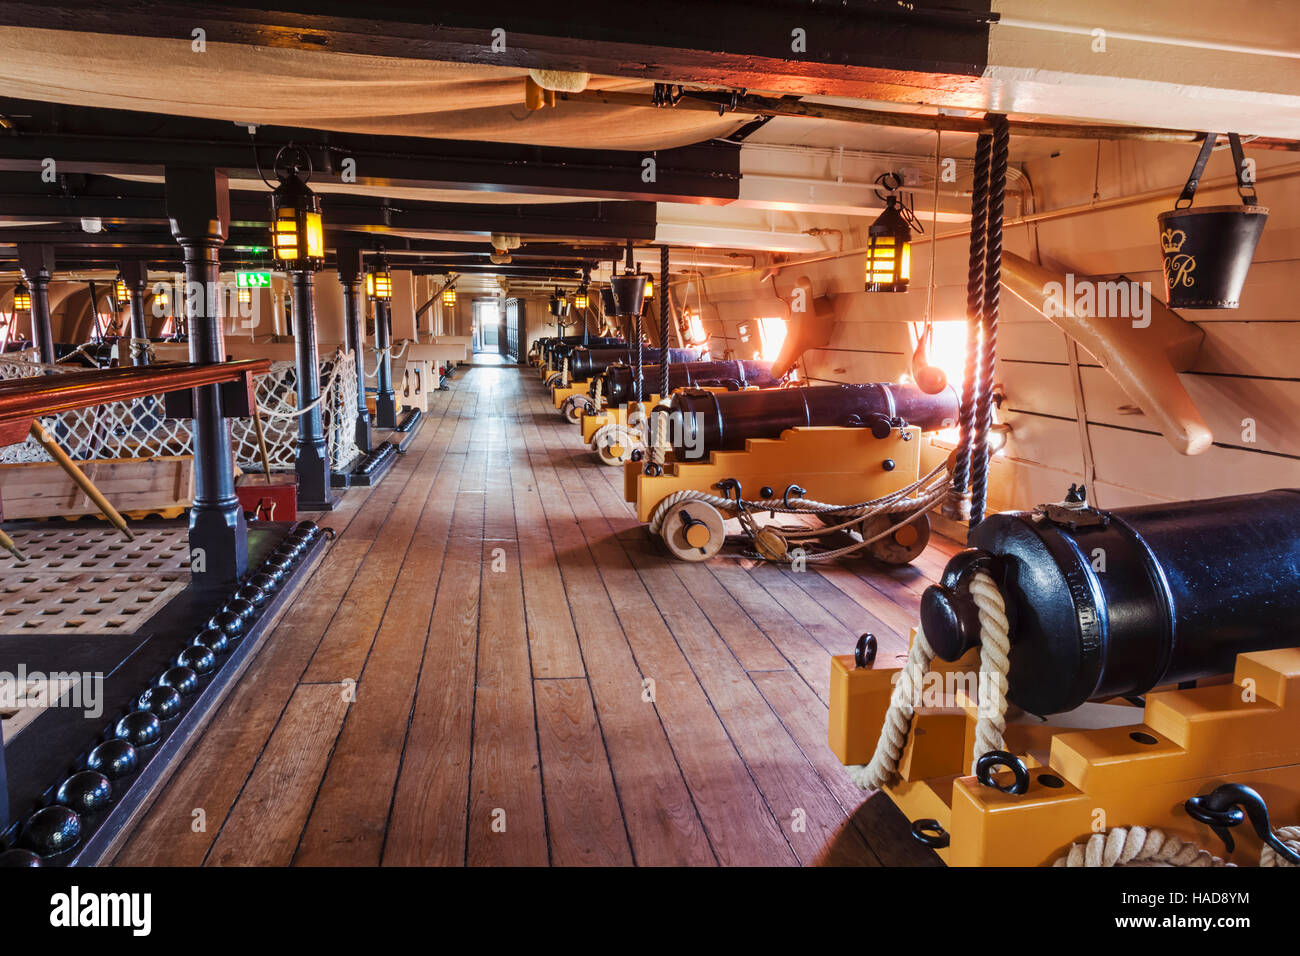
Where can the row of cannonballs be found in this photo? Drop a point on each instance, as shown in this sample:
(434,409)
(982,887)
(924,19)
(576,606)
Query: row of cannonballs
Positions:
(57,828)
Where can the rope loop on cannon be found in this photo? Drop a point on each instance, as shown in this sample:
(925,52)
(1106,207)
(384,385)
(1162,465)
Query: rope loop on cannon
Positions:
(991,716)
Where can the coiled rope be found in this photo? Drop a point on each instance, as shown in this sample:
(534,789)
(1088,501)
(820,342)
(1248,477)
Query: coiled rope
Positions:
(1138,846)
(990,721)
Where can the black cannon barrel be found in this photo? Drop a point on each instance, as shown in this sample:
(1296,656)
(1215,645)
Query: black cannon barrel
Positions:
(584,363)
(1113,603)
(724,421)
(619,380)
(555,347)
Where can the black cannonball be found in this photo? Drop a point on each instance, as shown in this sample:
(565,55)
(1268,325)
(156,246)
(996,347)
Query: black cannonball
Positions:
(278,562)
(140,728)
(184,679)
(198,658)
(85,790)
(163,701)
(244,610)
(264,583)
(213,638)
(276,574)
(113,758)
(51,830)
(309,530)
(230,623)
(254,595)
(18,857)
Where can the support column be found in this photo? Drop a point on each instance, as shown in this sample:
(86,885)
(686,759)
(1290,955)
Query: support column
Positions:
(198,205)
(135,274)
(385,400)
(312,456)
(37,266)
(354,309)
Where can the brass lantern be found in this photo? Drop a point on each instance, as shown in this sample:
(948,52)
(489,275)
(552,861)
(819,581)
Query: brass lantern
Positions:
(449,296)
(121,295)
(379,282)
(889,243)
(580,300)
(297,231)
(22,298)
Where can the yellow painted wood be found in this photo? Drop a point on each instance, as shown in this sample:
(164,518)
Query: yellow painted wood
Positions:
(840,465)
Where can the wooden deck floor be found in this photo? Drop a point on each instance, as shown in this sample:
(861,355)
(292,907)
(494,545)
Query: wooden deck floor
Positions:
(495,665)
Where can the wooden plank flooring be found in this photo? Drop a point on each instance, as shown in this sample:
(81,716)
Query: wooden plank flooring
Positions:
(495,665)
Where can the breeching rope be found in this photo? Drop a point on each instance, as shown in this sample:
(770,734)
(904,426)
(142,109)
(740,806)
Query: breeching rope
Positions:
(991,716)
(929,490)
(1138,846)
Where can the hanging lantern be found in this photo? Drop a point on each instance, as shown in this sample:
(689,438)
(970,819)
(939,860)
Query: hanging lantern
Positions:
(580,300)
(1207,251)
(649,288)
(449,297)
(629,292)
(121,295)
(297,232)
(889,245)
(379,283)
(245,296)
(22,298)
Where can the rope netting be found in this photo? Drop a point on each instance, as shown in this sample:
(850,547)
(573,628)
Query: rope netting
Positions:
(138,428)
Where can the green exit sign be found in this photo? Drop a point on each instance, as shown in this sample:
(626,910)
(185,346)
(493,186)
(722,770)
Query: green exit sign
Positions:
(253,280)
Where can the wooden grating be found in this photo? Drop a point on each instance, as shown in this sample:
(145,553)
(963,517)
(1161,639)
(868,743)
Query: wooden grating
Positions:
(90,580)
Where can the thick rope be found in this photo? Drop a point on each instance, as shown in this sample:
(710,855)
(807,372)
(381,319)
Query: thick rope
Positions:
(1288,835)
(1134,846)
(990,720)
(983,419)
(979,210)
(663,322)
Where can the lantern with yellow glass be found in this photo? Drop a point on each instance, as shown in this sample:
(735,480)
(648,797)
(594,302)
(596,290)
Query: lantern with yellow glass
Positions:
(22,298)
(889,242)
(297,231)
(379,282)
(121,295)
(580,299)
(449,295)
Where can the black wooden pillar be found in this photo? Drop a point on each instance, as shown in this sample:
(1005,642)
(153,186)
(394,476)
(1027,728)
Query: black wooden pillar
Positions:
(198,205)
(385,400)
(37,266)
(135,273)
(351,275)
(312,456)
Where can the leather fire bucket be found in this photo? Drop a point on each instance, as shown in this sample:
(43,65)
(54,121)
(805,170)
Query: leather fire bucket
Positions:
(1207,251)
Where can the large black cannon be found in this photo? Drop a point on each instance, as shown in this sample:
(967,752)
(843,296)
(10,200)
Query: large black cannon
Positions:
(618,382)
(723,421)
(555,347)
(1113,603)
(586,362)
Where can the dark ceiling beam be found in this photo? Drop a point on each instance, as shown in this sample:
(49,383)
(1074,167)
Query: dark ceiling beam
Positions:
(509,271)
(119,202)
(856,48)
(82,140)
